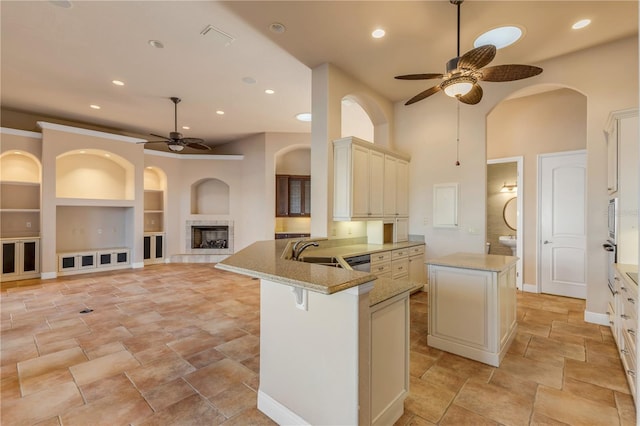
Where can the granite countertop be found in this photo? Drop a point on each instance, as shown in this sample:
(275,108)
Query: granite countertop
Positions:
(357,249)
(484,262)
(623,268)
(264,259)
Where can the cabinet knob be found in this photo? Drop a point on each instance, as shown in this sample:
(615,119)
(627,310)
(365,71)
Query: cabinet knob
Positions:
(623,351)
(547,242)
(623,316)
(631,331)
(630,300)
(632,373)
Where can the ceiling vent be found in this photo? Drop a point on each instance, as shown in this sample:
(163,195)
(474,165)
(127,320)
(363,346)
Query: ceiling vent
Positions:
(218,35)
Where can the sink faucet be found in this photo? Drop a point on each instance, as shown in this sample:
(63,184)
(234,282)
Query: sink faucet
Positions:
(297,251)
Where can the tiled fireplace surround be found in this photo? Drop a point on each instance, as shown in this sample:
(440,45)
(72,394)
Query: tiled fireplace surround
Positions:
(205,255)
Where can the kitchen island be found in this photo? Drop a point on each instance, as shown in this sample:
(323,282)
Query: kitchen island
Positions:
(472,305)
(334,343)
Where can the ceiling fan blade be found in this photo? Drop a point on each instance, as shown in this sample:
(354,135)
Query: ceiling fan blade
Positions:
(473,97)
(418,76)
(477,58)
(153,142)
(198,145)
(509,72)
(191,140)
(420,96)
(161,137)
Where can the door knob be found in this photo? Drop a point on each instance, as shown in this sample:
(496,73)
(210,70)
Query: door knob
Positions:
(547,242)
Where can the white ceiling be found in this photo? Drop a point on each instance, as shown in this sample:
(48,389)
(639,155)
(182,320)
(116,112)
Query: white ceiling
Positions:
(57,61)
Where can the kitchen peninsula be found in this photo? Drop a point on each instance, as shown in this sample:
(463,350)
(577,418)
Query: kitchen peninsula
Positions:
(334,343)
(472,305)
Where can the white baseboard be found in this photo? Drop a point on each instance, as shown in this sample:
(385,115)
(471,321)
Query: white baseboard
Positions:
(278,412)
(596,318)
(137,265)
(530,288)
(48,275)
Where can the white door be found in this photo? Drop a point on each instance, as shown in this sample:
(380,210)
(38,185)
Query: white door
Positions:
(563,225)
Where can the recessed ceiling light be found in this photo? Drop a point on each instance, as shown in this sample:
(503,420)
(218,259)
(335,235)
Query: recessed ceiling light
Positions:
(378,33)
(220,112)
(118,83)
(95,106)
(304,116)
(156,43)
(269,91)
(83,152)
(277,27)
(249,80)
(186,127)
(66,4)
(500,37)
(107,155)
(581,24)
(17,153)
(149,168)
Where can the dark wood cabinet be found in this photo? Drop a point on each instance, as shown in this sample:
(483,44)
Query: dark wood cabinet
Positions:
(293,196)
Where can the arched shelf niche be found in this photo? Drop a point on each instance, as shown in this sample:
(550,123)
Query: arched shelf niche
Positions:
(94,174)
(210,197)
(20,176)
(355,120)
(155,183)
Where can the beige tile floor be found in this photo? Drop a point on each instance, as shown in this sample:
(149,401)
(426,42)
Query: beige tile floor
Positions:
(179,345)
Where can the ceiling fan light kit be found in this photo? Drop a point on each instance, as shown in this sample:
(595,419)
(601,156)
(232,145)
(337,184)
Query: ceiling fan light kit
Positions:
(464,72)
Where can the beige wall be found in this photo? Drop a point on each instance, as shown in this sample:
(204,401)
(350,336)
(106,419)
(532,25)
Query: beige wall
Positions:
(427,131)
(553,121)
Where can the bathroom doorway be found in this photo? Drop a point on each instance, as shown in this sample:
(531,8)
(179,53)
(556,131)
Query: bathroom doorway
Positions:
(505,215)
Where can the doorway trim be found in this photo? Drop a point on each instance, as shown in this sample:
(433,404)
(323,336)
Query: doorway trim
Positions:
(520,218)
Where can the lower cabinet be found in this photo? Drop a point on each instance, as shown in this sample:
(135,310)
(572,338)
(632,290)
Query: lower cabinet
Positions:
(381,264)
(153,248)
(400,264)
(389,359)
(91,261)
(417,266)
(624,324)
(20,258)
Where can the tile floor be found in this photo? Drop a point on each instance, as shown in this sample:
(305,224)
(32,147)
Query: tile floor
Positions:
(179,345)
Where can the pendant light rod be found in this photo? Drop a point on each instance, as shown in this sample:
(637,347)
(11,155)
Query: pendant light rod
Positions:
(457,3)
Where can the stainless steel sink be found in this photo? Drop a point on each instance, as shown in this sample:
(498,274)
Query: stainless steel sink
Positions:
(321,260)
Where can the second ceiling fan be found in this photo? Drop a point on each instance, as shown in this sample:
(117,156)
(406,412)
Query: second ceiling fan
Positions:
(464,72)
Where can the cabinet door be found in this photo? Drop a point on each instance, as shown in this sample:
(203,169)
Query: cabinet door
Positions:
(306,209)
(390,166)
(376,184)
(9,258)
(402,188)
(30,257)
(282,196)
(159,246)
(417,269)
(360,181)
(401,230)
(147,247)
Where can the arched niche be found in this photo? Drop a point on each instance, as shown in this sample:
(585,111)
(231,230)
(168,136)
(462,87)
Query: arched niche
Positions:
(361,114)
(296,161)
(355,120)
(94,174)
(155,179)
(19,166)
(210,196)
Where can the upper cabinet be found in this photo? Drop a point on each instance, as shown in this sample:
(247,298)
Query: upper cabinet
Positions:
(622,147)
(293,196)
(369,182)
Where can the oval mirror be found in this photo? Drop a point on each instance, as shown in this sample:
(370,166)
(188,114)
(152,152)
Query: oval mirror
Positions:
(510,213)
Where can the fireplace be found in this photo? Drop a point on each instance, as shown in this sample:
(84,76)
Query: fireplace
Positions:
(209,237)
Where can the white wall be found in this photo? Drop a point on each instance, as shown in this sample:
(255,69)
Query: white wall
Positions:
(427,131)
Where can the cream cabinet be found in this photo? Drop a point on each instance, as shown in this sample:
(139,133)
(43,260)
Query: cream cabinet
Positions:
(624,321)
(20,258)
(153,248)
(389,359)
(417,267)
(367,180)
(400,264)
(81,262)
(472,312)
(381,264)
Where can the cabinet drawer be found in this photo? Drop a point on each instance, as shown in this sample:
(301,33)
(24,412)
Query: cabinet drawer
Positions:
(416,250)
(629,360)
(400,267)
(381,257)
(399,254)
(381,268)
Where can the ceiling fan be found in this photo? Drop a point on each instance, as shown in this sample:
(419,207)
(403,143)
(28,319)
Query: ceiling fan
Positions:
(175,142)
(464,72)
